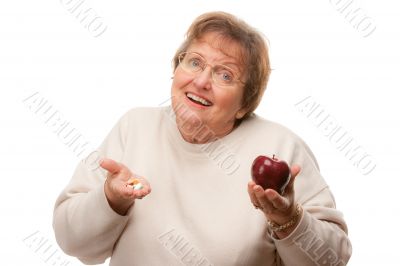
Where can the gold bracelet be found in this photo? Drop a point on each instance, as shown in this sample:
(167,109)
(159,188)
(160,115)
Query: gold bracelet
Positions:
(279,228)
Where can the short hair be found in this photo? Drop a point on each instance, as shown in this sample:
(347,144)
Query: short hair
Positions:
(254,55)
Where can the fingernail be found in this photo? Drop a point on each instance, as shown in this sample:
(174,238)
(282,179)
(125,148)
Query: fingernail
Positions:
(258,190)
(272,197)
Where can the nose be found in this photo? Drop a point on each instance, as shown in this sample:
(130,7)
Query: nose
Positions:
(204,79)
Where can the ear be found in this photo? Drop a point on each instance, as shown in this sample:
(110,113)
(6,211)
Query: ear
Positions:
(240,113)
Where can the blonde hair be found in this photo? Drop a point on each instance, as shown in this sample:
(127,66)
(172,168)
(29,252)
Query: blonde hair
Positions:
(254,56)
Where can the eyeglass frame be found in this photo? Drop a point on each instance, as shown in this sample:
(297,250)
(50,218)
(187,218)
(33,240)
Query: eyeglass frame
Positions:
(182,55)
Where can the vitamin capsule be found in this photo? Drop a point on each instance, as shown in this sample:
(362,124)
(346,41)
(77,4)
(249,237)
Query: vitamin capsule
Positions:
(134,183)
(138,186)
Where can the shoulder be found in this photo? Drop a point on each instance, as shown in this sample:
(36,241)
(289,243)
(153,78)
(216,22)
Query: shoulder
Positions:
(144,112)
(262,127)
(267,137)
(275,137)
(144,115)
(139,119)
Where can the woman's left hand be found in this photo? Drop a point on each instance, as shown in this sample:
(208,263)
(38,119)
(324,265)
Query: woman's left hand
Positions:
(277,208)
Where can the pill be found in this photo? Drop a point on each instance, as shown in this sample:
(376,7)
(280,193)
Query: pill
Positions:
(138,186)
(134,183)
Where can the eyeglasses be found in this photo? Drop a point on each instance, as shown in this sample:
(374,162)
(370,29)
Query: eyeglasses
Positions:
(194,63)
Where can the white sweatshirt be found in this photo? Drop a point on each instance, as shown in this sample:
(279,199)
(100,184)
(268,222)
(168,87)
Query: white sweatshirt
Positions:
(199,211)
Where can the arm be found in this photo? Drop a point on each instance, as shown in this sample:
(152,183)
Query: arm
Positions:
(85,225)
(320,238)
(319,234)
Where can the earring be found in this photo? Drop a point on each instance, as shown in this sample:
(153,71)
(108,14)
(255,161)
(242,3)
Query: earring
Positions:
(239,115)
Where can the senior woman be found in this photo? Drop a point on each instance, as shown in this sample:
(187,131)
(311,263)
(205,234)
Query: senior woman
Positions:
(195,158)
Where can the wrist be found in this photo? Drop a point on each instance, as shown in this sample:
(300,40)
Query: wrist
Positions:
(292,222)
(119,205)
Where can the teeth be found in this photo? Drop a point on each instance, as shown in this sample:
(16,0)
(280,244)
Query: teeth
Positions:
(198,99)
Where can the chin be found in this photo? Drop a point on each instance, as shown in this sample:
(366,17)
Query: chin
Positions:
(185,113)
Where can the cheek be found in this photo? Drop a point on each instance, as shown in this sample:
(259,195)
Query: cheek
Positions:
(180,80)
(229,101)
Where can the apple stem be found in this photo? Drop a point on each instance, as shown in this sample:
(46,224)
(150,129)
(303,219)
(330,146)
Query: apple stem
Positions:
(273,156)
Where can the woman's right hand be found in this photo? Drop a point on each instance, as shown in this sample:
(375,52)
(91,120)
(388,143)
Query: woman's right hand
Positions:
(119,195)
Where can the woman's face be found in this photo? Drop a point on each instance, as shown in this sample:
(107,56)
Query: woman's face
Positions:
(196,99)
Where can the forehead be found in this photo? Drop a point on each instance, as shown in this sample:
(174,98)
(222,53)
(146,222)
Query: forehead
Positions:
(218,48)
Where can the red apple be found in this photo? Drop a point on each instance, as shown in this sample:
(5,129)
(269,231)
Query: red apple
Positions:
(270,173)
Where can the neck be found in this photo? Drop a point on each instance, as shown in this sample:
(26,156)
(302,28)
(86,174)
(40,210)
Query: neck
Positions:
(202,133)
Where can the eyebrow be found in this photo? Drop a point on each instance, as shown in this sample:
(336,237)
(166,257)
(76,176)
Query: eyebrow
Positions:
(232,65)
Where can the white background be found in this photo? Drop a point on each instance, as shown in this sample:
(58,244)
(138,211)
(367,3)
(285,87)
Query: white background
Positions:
(315,51)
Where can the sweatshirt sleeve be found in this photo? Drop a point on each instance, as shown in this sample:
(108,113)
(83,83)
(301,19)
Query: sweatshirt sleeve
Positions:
(320,238)
(85,226)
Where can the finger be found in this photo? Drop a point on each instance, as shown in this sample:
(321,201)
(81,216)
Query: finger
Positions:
(279,202)
(146,189)
(142,192)
(143,181)
(294,171)
(265,204)
(110,165)
(139,194)
(250,190)
(138,182)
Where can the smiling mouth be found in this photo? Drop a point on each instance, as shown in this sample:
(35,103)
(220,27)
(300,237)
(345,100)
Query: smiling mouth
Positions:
(198,100)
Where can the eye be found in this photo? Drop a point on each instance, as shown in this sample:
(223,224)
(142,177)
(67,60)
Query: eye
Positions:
(224,75)
(194,62)
(227,77)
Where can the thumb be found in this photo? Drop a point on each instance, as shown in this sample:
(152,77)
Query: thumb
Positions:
(294,171)
(110,165)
